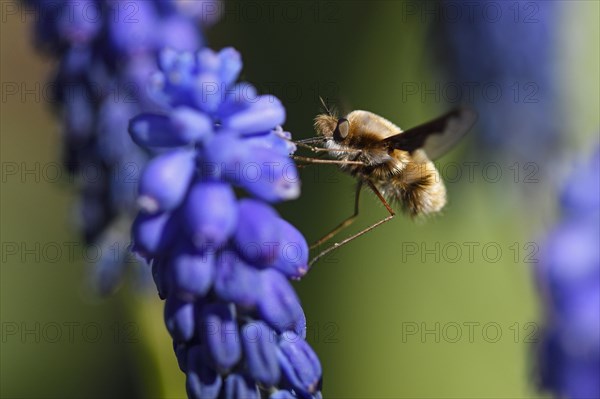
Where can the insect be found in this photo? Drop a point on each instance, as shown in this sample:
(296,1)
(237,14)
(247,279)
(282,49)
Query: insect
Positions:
(396,165)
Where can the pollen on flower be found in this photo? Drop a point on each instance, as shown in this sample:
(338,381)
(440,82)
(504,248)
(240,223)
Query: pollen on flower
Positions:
(147,204)
(287,190)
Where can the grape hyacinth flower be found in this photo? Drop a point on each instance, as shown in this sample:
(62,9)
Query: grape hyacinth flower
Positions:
(223,263)
(569,276)
(500,56)
(106,51)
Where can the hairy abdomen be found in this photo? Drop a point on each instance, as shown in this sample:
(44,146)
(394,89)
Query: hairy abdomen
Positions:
(418,187)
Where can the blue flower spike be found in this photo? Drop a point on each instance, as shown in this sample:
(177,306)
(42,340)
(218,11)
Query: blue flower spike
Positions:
(211,141)
(221,255)
(569,275)
(106,52)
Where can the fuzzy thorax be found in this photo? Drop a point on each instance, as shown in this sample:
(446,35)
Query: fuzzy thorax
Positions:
(408,179)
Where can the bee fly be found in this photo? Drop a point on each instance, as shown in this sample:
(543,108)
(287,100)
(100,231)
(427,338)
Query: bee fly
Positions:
(396,165)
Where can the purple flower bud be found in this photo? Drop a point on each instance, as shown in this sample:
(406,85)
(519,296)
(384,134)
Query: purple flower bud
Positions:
(179,33)
(210,213)
(570,258)
(274,140)
(202,381)
(208,92)
(566,373)
(579,322)
(173,86)
(92,211)
(123,184)
(78,24)
(135,35)
(582,193)
(165,181)
(138,71)
(79,116)
(231,65)
(236,100)
(206,12)
(152,234)
(257,235)
(153,131)
(75,63)
(260,351)
(270,176)
(113,120)
(580,379)
(239,386)
(219,331)
(225,153)
(159,275)
(236,281)
(279,305)
(181,353)
(179,318)
(207,61)
(260,115)
(182,127)
(292,259)
(283,394)
(170,59)
(190,125)
(192,272)
(299,363)
(263,172)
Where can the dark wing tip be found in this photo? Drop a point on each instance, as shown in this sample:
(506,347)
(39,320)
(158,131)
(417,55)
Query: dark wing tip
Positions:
(437,136)
(455,125)
(468,115)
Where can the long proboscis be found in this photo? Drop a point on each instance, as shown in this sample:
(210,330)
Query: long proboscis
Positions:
(310,140)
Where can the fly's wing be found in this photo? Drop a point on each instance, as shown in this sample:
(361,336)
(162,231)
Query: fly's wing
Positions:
(437,136)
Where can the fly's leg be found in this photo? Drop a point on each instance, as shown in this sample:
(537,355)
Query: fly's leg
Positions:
(362,232)
(347,222)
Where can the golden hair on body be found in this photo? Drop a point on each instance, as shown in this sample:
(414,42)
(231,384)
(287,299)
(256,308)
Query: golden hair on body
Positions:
(396,165)
(410,179)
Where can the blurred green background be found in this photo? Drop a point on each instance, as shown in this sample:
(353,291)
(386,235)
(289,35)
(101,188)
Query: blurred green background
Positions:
(383,320)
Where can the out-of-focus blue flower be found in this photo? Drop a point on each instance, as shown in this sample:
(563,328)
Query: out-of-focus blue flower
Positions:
(501,57)
(107,50)
(569,276)
(223,263)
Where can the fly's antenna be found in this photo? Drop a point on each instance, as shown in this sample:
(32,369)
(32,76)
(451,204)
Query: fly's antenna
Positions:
(325,106)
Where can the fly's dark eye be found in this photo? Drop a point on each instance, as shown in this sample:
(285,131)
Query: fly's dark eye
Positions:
(341,130)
